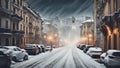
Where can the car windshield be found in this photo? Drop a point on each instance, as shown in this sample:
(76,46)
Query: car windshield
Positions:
(116,54)
(96,56)
(96,51)
(4,48)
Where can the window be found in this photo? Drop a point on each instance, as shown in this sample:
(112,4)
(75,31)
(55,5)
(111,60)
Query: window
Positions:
(17,26)
(7,42)
(21,27)
(115,41)
(21,2)
(18,49)
(13,26)
(0,3)
(115,5)
(0,41)
(30,25)
(6,3)
(14,11)
(13,41)
(0,22)
(15,49)
(6,24)
(109,44)
(13,1)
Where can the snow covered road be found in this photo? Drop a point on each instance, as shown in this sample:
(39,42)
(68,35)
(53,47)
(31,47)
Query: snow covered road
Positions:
(64,57)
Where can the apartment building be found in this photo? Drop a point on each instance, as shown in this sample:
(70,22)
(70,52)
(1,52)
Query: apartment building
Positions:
(87,32)
(107,20)
(19,23)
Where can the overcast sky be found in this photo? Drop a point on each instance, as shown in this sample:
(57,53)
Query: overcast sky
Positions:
(63,8)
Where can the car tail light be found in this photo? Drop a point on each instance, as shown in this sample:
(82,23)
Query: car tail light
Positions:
(34,49)
(111,57)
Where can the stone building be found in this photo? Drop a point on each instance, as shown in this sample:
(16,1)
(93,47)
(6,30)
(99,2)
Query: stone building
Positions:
(87,32)
(19,23)
(107,20)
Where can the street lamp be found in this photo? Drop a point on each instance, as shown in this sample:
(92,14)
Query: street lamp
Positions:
(50,38)
(89,36)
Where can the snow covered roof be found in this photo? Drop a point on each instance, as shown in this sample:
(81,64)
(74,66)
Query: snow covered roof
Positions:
(95,49)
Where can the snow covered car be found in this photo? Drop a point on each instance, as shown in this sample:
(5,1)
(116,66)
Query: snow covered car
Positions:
(17,54)
(5,58)
(41,48)
(81,46)
(87,48)
(48,48)
(95,53)
(32,49)
(112,58)
(102,56)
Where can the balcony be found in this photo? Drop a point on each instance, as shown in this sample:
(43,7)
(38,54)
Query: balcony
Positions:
(4,12)
(5,31)
(16,17)
(30,33)
(20,32)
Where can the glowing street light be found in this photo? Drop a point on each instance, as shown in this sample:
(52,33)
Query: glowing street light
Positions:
(50,38)
(89,37)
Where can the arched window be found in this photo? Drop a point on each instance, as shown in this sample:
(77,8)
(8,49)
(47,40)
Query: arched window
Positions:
(7,42)
(13,42)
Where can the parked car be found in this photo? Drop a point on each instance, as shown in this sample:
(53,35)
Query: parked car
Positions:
(48,48)
(17,54)
(95,53)
(82,46)
(41,47)
(87,47)
(102,56)
(5,58)
(111,58)
(32,49)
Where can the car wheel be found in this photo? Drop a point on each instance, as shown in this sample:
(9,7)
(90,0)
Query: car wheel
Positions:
(25,57)
(14,59)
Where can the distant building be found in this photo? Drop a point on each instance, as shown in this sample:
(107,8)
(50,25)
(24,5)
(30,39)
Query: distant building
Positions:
(87,32)
(50,30)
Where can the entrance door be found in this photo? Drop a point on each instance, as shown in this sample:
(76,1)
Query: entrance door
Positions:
(115,41)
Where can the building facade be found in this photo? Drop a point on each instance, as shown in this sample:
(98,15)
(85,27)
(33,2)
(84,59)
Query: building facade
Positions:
(87,32)
(51,31)
(18,22)
(107,17)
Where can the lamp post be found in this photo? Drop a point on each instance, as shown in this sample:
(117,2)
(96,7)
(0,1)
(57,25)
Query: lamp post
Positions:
(50,40)
(89,36)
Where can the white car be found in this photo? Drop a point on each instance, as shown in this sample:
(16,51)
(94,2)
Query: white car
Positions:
(17,54)
(95,53)
(111,58)
(48,48)
(102,56)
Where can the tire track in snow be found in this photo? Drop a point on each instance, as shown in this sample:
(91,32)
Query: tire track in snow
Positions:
(51,61)
(62,63)
(85,60)
(38,58)
(77,60)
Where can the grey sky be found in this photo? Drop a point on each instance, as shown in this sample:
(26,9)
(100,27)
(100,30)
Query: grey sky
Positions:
(63,8)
